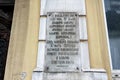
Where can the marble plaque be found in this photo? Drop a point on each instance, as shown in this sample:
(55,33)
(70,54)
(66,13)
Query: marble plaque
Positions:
(62,44)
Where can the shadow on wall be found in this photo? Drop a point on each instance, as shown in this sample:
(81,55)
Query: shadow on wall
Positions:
(6,13)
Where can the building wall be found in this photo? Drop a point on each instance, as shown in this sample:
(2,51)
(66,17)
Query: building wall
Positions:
(22,54)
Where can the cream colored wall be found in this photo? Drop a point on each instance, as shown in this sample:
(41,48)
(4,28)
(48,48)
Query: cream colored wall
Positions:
(22,54)
(99,57)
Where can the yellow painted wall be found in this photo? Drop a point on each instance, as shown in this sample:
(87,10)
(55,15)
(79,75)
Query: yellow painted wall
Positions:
(22,54)
(99,56)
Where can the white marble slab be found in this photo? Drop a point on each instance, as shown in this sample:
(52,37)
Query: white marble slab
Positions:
(85,60)
(84,52)
(42,28)
(62,47)
(37,75)
(116,74)
(63,6)
(69,76)
(42,7)
(115,78)
(82,28)
(41,55)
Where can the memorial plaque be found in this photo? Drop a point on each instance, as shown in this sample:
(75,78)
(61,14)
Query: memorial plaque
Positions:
(62,44)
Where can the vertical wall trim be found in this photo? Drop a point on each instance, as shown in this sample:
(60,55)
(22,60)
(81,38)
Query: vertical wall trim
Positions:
(22,53)
(107,37)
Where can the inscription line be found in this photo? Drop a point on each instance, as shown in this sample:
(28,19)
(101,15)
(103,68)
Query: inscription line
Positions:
(46,16)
